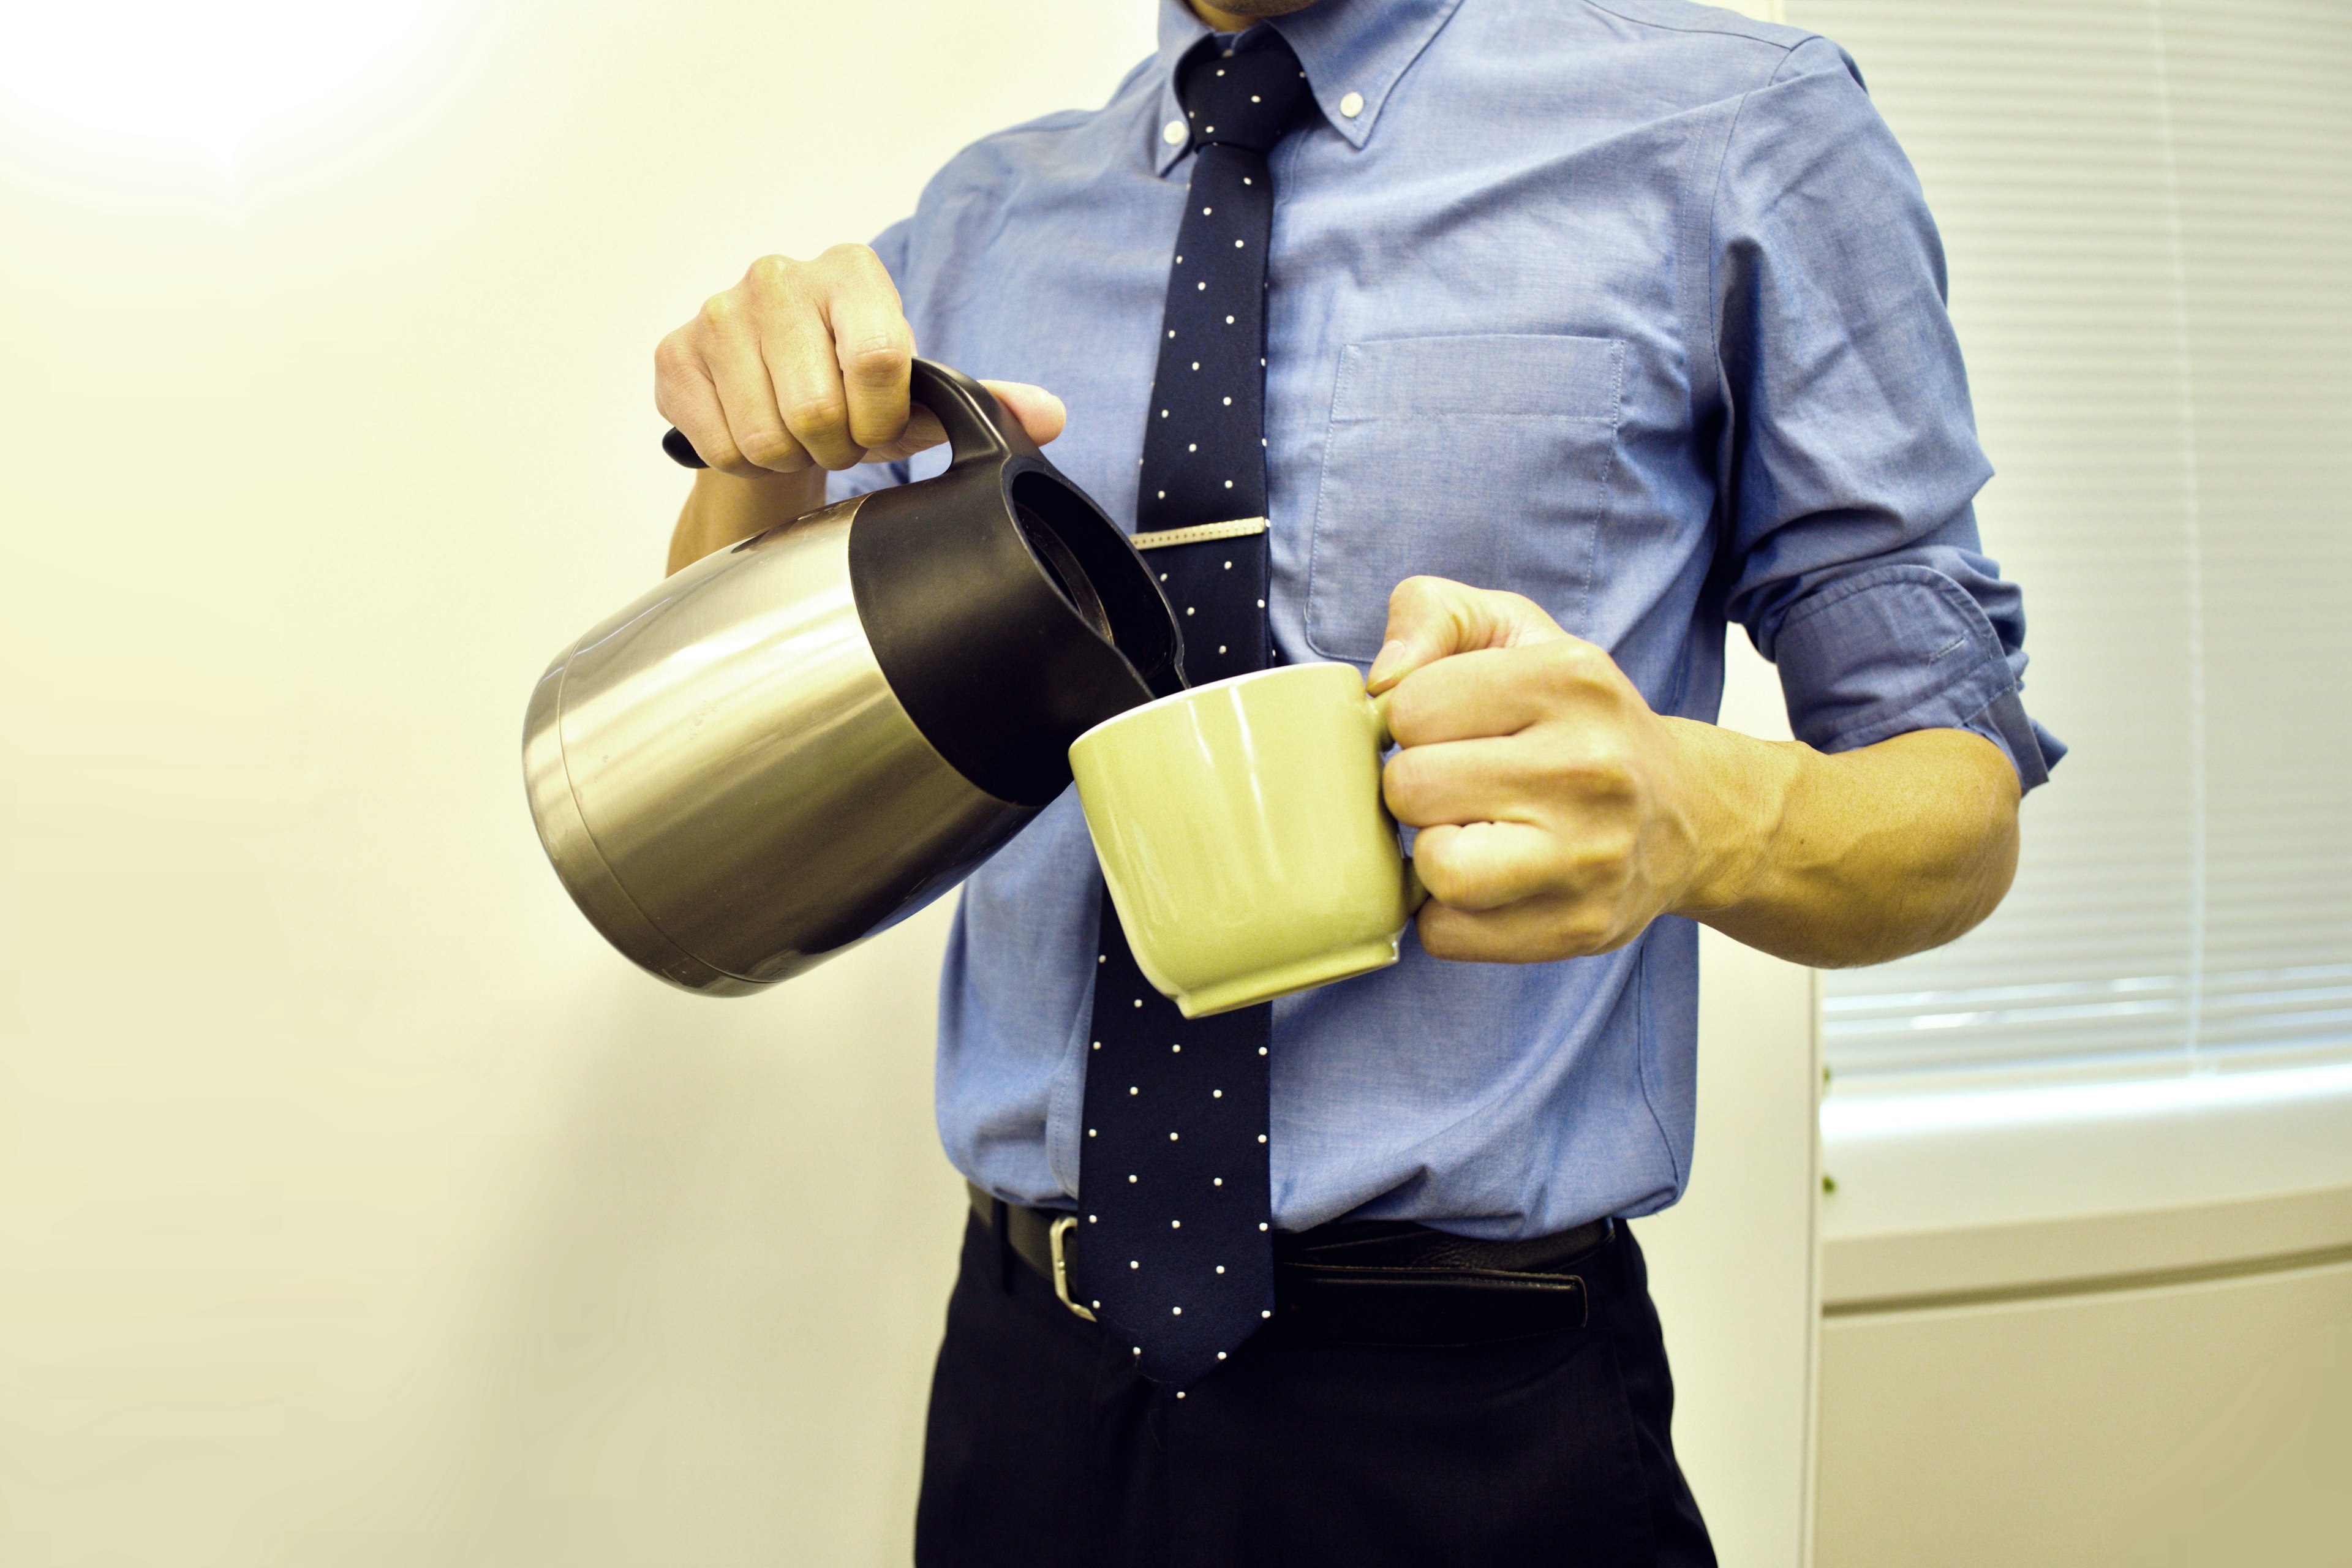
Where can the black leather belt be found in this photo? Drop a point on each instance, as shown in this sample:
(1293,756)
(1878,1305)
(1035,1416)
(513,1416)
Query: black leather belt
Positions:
(1380,1282)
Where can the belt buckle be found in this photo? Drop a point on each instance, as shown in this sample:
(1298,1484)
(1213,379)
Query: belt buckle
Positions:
(1055,1241)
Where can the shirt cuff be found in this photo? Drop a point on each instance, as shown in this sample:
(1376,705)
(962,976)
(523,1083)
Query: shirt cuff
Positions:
(1902,647)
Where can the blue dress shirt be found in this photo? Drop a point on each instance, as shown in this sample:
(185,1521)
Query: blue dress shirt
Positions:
(1634,308)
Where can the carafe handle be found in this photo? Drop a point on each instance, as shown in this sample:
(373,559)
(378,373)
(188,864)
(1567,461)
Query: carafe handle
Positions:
(977,428)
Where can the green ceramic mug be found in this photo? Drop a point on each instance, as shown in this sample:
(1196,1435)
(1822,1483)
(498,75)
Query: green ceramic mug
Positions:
(1243,837)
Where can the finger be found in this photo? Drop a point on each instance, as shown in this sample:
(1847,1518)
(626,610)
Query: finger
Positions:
(798,348)
(1482,866)
(1535,931)
(732,361)
(1432,618)
(1465,697)
(1455,782)
(923,430)
(685,397)
(874,349)
(1502,691)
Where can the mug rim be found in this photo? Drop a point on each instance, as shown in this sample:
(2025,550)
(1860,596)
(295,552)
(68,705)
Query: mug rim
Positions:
(1191,692)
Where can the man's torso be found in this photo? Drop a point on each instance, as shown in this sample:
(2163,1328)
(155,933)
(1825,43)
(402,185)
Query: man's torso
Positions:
(1490,357)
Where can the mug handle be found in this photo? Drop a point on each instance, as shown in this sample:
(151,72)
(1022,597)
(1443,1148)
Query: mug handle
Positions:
(1416,892)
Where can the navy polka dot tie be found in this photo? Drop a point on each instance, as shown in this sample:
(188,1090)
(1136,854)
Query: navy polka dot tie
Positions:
(1175,1250)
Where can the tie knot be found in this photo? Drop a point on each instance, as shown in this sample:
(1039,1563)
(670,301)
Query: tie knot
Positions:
(1245,98)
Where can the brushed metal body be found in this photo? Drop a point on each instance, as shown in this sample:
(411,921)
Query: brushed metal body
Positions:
(725,781)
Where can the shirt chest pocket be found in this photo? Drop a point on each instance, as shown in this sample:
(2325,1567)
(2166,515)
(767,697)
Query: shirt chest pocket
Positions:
(1482,459)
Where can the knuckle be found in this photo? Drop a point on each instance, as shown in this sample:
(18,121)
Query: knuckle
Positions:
(769,449)
(817,413)
(1449,882)
(1413,591)
(922,430)
(722,310)
(1436,937)
(773,275)
(1436,931)
(1576,654)
(812,410)
(1438,875)
(1604,860)
(1583,932)
(1603,760)
(1406,718)
(851,257)
(880,359)
(1573,669)
(1566,662)
(1405,793)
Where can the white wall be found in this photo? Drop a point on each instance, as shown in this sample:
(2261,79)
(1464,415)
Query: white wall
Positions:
(356,1206)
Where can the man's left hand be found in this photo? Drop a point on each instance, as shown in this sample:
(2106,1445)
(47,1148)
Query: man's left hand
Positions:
(1556,810)
(1558,815)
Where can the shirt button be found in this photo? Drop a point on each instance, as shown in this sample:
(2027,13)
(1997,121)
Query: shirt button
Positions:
(1173,131)
(1352,105)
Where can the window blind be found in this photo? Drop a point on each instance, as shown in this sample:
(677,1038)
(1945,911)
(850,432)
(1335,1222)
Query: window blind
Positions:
(2147,210)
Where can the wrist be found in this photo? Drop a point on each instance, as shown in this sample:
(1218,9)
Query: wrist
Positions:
(1737,791)
(766,498)
(723,509)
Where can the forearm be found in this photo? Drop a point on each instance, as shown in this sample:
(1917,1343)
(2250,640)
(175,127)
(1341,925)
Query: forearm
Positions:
(722,510)
(1852,857)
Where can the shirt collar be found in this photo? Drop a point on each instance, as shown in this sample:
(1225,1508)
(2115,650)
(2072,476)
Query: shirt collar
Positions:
(1350,49)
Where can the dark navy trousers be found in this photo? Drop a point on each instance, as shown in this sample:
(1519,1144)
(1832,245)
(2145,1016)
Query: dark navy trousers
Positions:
(1045,1447)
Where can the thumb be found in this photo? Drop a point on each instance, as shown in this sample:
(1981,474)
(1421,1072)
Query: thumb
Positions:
(1040,412)
(1432,618)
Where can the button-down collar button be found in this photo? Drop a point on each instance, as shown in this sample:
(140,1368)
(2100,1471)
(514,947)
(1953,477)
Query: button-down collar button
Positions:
(1352,105)
(1172,134)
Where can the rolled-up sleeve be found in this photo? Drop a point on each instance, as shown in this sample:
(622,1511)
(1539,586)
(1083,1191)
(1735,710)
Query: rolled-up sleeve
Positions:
(1850,459)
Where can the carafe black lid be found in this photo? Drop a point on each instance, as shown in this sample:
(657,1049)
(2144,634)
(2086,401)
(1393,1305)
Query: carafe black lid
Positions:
(1009,614)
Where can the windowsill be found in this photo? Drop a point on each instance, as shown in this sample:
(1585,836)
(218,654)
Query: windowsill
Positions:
(1933,1207)
(1916,1270)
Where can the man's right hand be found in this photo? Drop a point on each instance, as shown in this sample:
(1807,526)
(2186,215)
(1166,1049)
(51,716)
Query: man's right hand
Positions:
(800,367)
(804,364)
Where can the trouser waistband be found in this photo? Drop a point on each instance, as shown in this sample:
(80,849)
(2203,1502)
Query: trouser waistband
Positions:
(1375,1281)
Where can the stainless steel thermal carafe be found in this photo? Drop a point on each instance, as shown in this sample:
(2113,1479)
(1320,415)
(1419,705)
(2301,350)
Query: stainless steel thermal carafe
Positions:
(793,743)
